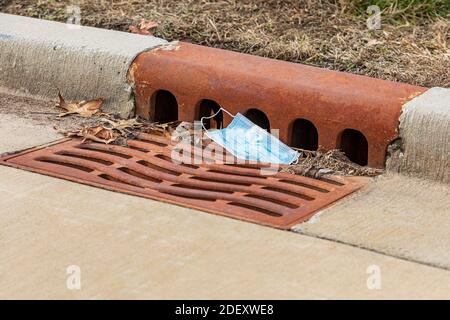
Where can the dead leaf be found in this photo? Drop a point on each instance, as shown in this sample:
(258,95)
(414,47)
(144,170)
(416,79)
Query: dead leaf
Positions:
(112,129)
(144,28)
(83,108)
(162,129)
(98,134)
(106,130)
(122,125)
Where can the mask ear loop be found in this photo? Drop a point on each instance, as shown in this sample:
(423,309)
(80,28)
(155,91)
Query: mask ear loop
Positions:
(215,114)
(296,159)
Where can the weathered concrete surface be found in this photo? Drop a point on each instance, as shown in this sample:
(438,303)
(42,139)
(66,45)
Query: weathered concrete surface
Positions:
(397,215)
(129,247)
(39,57)
(425,137)
(16,133)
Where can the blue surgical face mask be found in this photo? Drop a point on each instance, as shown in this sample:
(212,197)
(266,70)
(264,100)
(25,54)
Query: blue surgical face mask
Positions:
(247,141)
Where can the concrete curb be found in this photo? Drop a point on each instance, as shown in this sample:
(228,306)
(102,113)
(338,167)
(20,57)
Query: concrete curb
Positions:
(39,57)
(424,148)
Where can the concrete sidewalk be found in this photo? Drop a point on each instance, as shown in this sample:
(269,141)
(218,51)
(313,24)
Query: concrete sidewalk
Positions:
(400,216)
(129,247)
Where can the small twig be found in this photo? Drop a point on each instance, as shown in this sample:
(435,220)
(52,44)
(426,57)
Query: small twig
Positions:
(44,113)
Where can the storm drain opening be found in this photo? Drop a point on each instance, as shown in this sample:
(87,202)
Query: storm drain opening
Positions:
(354,144)
(207,108)
(259,118)
(164,107)
(237,191)
(304,135)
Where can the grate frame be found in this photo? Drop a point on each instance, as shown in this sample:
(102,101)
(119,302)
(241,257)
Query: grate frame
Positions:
(237,191)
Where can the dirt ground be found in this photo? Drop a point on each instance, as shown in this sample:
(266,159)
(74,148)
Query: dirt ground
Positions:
(40,112)
(412,45)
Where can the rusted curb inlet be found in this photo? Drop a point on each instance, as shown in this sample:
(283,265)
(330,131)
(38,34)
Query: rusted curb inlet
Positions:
(310,106)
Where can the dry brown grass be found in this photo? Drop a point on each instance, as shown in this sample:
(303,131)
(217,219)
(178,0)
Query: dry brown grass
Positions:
(326,33)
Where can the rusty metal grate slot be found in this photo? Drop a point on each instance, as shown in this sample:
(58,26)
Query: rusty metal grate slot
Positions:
(146,169)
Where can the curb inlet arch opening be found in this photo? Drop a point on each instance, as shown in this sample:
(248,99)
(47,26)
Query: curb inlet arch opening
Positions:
(355,146)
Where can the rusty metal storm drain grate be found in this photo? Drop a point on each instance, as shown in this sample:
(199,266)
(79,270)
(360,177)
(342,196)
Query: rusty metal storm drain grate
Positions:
(144,168)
